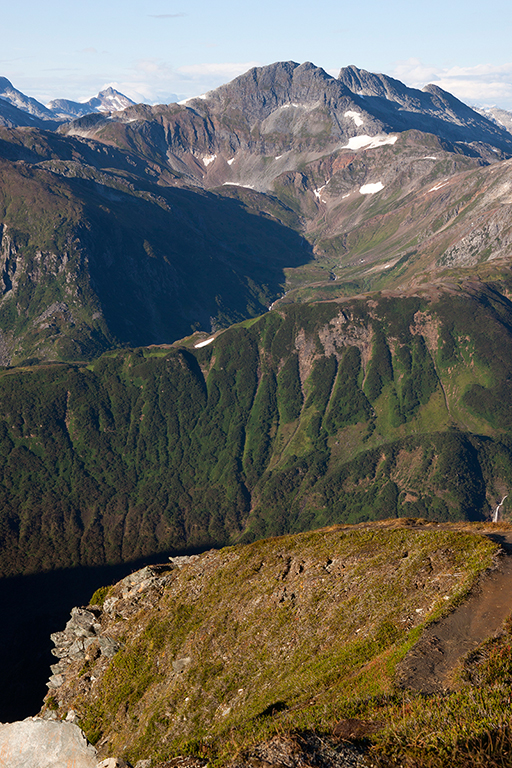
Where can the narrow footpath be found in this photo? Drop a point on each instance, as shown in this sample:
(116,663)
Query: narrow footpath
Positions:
(429,665)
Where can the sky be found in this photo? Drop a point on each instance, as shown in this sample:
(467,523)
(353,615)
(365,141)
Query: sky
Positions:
(158,51)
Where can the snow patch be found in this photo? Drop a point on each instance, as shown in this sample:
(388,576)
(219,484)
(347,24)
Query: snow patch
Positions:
(191,98)
(209,159)
(344,196)
(371,189)
(278,157)
(438,186)
(294,105)
(204,343)
(318,192)
(356,117)
(236,184)
(429,157)
(369,142)
(230,162)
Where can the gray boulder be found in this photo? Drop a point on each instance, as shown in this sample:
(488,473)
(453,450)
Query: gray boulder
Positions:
(38,743)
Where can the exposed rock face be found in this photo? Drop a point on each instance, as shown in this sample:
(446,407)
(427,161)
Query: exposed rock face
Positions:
(289,107)
(80,640)
(38,743)
(299,750)
(430,109)
(83,640)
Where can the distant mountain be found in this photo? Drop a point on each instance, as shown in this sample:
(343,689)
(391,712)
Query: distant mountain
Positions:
(27,104)
(274,119)
(108,100)
(499,116)
(13,117)
(431,110)
(195,216)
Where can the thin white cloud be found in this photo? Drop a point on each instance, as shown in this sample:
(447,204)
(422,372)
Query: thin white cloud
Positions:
(227,70)
(155,81)
(481,85)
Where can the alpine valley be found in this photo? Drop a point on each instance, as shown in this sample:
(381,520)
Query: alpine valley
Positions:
(277,307)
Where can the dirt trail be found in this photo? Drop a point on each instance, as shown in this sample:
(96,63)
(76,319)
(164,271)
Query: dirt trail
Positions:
(428,666)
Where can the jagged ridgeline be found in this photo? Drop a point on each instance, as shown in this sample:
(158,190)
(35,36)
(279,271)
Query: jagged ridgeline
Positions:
(319,413)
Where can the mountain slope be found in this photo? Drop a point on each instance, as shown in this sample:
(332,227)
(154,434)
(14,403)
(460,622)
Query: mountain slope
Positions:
(316,236)
(285,181)
(290,113)
(17,99)
(211,654)
(92,256)
(321,413)
(431,110)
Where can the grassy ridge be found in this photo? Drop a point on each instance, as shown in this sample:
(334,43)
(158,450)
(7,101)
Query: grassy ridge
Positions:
(294,632)
(317,414)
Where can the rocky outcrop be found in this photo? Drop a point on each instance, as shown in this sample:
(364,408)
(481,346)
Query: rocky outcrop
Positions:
(41,743)
(80,640)
(297,750)
(83,639)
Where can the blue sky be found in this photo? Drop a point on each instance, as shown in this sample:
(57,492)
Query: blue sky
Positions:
(165,50)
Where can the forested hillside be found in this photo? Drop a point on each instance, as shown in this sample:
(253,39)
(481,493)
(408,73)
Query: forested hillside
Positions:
(331,412)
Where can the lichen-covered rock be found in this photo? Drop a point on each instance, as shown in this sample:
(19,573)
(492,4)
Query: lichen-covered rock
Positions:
(38,743)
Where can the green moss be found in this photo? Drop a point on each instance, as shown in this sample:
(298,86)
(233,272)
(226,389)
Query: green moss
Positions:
(99,596)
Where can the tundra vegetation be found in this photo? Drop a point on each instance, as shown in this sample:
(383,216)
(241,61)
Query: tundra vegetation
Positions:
(297,633)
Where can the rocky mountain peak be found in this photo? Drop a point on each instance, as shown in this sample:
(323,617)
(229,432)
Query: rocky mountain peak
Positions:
(262,90)
(26,103)
(107,100)
(110,100)
(448,101)
(4,83)
(365,83)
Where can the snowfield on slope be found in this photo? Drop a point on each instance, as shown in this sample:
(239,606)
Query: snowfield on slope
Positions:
(369,142)
(371,189)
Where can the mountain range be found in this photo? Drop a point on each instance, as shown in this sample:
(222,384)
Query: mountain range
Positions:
(125,207)
(282,305)
(13,103)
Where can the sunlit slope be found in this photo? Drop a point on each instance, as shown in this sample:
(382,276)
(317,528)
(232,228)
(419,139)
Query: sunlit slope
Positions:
(313,414)
(389,216)
(295,632)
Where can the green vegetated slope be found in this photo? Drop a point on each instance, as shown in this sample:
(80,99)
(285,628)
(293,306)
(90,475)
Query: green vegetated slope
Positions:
(319,413)
(291,633)
(94,257)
